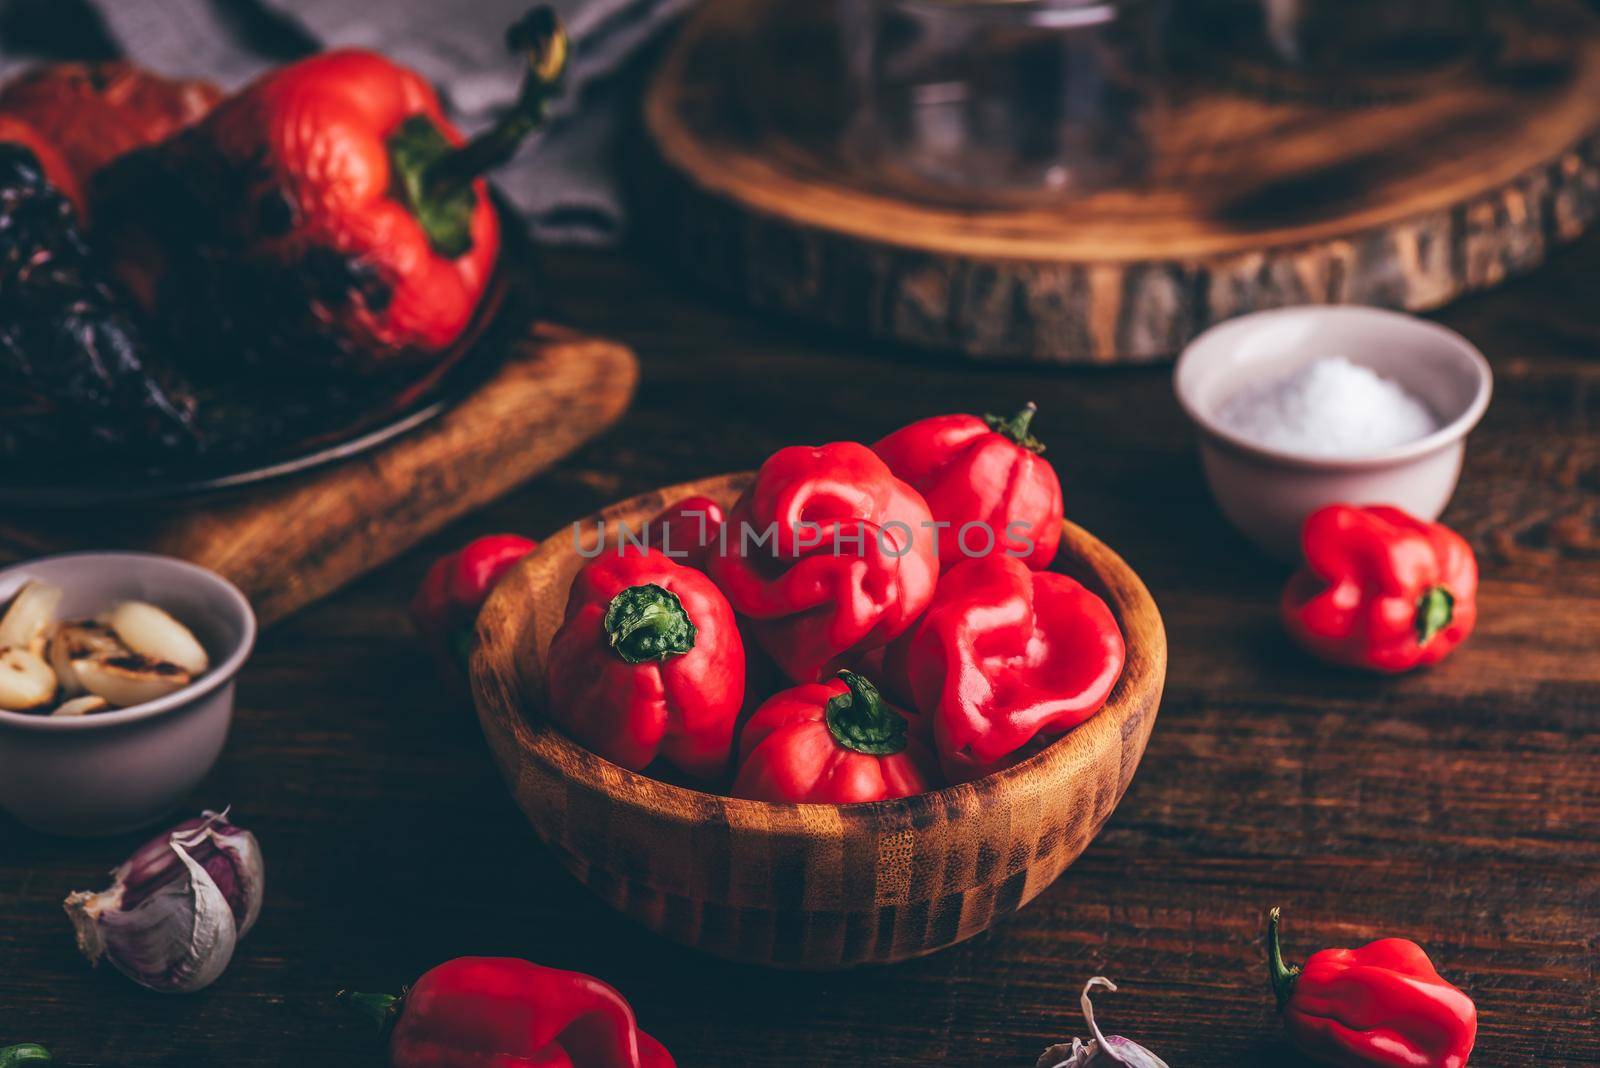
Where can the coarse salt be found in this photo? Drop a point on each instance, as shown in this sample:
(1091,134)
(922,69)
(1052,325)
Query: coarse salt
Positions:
(1329,407)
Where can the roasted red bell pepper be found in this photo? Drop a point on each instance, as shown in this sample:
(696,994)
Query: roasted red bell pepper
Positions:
(833,742)
(986,482)
(497,1012)
(648,662)
(1381,1005)
(1005,655)
(686,530)
(455,587)
(326,215)
(1381,590)
(827,555)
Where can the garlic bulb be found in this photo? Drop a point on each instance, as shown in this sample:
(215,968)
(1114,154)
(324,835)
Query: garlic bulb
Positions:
(177,907)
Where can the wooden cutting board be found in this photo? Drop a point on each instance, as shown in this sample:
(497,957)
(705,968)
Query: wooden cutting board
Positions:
(1257,195)
(290,542)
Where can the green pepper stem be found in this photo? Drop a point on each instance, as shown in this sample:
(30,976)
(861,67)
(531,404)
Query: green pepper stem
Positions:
(862,721)
(1283,976)
(381,1009)
(1435,608)
(648,622)
(540,36)
(24,1054)
(1017,427)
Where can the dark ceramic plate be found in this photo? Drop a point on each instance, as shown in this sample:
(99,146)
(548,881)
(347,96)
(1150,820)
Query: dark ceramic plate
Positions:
(283,429)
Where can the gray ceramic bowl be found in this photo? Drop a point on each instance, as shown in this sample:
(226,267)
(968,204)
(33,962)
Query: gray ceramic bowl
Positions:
(1268,492)
(114,771)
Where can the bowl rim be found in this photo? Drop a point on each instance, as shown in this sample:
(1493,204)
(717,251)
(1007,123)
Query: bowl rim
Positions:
(1141,675)
(1442,336)
(219,675)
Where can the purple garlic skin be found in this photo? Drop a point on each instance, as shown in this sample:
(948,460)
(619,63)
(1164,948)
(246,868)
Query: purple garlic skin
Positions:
(1102,1051)
(177,907)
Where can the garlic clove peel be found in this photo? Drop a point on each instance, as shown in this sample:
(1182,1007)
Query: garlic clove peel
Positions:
(26,682)
(29,615)
(152,632)
(129,679)
(177,908)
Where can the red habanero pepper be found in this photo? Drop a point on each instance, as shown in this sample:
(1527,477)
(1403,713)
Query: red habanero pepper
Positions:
(1381,590)
(832,742)
(1382,1005)
(1002,656)
(326,215)
(493,1012)
(686,530)
(987,473)
(648,662)
(827,555)
(455,587)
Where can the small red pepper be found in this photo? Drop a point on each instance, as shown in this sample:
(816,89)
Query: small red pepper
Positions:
(648,662)
(827,556)
(1381,1005)
(986,482)
(496,1012)
(55,166)
(833,742)
(1381,590)
(455,587)
(328,213)
(686,530)
(1005,655)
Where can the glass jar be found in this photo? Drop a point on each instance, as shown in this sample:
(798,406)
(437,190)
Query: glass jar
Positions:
(974,100)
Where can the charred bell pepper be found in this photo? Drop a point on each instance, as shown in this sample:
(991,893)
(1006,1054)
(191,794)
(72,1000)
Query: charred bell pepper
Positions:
(1005,655)
(455,587)
(648,662)
(1381,1005)
(491,1012)
(832,742)
(686,530)
(1381,590)
(827,555)
(986,482)
(326,216)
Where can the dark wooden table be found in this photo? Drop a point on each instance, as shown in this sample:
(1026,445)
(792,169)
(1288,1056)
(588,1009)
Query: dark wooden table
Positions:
(1460,806)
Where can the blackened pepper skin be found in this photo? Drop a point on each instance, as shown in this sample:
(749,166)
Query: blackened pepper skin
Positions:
(74,381)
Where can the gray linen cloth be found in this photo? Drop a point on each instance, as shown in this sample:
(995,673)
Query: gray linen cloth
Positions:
(565,183)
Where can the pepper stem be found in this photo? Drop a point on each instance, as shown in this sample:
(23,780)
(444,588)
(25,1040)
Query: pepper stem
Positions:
(1435,608)
(434,178)
(1283,976)
(862,721)
(382,1009)
(25,1054)
(1016,427)
(648,623)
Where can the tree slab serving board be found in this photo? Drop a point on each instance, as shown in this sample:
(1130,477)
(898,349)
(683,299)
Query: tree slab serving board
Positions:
(1253,199)
(289,542)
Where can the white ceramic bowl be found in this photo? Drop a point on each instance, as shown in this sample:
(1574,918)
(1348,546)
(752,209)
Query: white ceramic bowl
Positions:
(1268,492)
(114,771)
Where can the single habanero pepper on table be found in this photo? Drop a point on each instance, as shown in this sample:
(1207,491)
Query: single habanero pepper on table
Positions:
(455,587)
(833,742)
(1381,589)
(326,215)
(493,1012)
(648,662)
(1381,1005)
(990,472)
(826,556)
(1002,656)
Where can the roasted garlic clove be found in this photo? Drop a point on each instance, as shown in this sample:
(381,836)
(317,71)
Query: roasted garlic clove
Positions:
(151,632)
(26,682)
(87,705)
(129,679)
(29,616)
(80,641)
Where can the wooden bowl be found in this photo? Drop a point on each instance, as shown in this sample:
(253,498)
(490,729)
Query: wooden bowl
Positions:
(805,886)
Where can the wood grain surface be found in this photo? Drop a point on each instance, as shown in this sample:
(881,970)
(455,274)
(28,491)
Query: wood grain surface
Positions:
(1250,200)
(803,886)
(290,542)
(1459,806)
